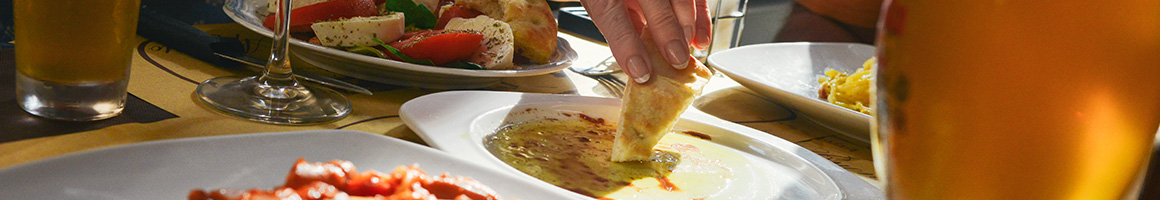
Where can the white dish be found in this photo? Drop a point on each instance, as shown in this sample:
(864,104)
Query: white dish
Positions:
(788,73)
(170,169)
(251,14)
(458,121)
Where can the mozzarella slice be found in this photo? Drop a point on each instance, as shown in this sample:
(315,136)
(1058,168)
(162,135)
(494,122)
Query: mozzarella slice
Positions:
(439,12)
(497,46)
(359,30)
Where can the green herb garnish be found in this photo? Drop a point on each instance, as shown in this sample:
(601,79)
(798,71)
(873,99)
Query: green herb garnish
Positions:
(416,15)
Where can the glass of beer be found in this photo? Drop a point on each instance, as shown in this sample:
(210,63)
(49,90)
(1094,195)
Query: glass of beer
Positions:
(1031,99)
(73,56)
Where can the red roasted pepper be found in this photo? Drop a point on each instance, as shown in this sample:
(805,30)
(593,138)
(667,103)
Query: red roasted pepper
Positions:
(301,18)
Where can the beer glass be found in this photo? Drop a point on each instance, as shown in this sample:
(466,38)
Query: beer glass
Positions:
(1031,99)
(73,56)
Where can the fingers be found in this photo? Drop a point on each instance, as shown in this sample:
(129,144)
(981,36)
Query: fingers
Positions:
(703,24)
(666,27)
(686,15)
(616,24)
(635,15)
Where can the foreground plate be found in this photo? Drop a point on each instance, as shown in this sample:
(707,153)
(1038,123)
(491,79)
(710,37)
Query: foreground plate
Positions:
(170,169)
(251,14)
(788,74)
(458,121)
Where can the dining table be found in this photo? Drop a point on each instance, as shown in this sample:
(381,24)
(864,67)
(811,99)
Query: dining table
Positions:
(162,106)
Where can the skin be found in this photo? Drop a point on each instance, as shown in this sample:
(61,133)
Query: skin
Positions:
(676,25)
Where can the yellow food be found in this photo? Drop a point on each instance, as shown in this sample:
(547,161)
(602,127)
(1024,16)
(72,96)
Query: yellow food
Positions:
(849,90)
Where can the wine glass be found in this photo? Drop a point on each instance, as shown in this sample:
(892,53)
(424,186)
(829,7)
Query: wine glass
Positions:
(275,96)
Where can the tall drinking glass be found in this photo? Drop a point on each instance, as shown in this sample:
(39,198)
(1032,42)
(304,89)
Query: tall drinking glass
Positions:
(728,18)
(275,96)
(1030,99)
(73,56)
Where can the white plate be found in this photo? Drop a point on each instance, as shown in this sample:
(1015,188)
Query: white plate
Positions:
(251,14)
(170,169)
(458,121)
(788,73)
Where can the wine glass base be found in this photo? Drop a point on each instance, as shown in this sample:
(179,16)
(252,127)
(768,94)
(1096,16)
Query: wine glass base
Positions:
(245,97)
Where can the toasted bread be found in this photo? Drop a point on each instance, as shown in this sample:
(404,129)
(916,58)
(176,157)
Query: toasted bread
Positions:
(651,109)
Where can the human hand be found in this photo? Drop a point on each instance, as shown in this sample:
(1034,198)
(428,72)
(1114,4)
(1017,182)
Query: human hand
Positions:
(675,24)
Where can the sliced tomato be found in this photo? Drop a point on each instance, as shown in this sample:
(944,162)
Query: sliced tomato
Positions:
(453,12)
(439,46)
(301,18)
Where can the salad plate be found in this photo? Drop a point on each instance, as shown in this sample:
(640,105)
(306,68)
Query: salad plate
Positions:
(170,169)
(251,14)
(788,73)
(447,122)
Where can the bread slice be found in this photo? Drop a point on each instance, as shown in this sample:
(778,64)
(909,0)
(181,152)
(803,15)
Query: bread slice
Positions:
(650,110)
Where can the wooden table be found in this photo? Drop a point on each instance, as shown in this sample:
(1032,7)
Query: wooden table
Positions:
(163,107)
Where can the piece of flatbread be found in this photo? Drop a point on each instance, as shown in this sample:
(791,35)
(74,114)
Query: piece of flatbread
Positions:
(651,109)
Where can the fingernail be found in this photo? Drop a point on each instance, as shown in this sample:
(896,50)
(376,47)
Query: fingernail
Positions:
(642,79)
(703,37)
(678,53)
(637,65)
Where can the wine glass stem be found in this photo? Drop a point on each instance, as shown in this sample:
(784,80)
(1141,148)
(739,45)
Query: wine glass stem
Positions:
(278,74)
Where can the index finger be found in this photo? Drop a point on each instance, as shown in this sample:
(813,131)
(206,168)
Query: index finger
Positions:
(664,24)
(614,22)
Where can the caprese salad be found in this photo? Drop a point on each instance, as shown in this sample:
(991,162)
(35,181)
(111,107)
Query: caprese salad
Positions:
(467,34)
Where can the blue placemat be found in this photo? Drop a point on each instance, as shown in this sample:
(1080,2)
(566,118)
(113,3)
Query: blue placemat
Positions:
(189,11)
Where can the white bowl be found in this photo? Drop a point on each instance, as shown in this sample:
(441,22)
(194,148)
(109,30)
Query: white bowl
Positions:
(458,121)
(788,73)
(170,169)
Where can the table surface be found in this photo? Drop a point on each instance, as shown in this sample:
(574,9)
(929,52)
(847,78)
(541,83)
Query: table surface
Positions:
(162,106)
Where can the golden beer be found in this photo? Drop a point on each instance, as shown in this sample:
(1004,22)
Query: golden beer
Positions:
(75,41)
(1030,99)
(73,56)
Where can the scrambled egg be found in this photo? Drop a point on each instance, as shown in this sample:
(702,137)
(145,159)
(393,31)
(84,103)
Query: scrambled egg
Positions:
(849,90)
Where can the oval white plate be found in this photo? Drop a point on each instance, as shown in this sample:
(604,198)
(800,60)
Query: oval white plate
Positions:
(788,73)
(251,14)
(170,169)
(458,121)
